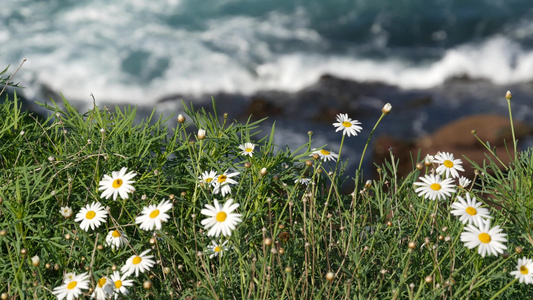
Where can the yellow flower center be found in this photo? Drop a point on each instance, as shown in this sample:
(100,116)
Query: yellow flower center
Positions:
(524,270)
(117,183)
(324,152)
(448,164)
(484,238)
(116,234)
(346,124)
(208,180)
(90,214)
(471,211)
(136,260)
(72,285)
(435,186)
(102,281)
(154,213)
(221,216)
(222,178)
(217,249)
(118,284)
(248,150)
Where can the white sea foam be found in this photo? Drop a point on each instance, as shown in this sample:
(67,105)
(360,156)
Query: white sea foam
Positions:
(125,52)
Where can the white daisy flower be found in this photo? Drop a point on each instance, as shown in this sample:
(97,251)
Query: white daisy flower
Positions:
(524,271)
(117,183)
(326,155)
(116,239)
(433,187)
(72,288)
(66,211)
(488,239)
(138,263)
(91,215)
(303,180)
(347,125)
(469,211)
(121,283)
(222,184)
(247,149)
(216,248)
(104,289)
(208,178)
(220,219)
(464,182)
(152,216)
(449,165)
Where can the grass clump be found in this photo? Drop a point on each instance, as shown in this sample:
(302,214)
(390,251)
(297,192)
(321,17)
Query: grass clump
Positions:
(212,209)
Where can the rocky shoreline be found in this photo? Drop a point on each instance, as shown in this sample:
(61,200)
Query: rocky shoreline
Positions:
(436,119)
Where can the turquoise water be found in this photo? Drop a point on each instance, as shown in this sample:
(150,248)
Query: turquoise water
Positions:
(139,51)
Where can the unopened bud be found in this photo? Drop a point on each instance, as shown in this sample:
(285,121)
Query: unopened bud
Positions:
(201,134)
(508,95)
(35,260)
(147,285)
(330,276)
(181,118)
(263,171)
(386,108)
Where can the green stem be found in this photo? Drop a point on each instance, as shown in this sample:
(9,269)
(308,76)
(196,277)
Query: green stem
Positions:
(368,141)
(490,150)
(512,126)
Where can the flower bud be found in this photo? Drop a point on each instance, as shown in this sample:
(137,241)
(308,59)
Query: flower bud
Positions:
(201,134)
(181,118)
(263,171)
(508,95)
(368,184)
(35,260)
(386,108)
(330,276)
(428,279)
(147,285)
(412,245)
(268,241)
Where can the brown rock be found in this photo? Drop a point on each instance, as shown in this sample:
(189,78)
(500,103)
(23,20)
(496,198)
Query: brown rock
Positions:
(457,138)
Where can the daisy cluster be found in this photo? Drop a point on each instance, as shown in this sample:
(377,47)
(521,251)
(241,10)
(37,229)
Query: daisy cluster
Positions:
(221,220)
(478,231)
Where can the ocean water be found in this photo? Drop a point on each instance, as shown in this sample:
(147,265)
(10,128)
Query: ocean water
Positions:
(138,51)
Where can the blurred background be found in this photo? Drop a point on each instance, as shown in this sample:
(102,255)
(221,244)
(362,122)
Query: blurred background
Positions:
(297,62)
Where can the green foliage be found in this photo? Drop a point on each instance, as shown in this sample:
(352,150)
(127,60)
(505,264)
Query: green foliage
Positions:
(362,238)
